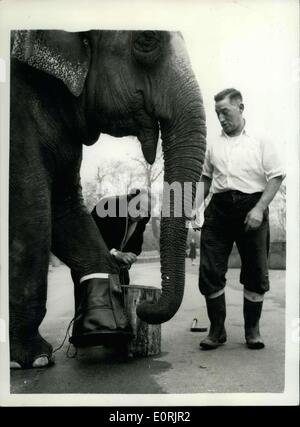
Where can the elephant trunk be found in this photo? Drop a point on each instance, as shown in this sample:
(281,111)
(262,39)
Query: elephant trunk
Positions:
(184,150)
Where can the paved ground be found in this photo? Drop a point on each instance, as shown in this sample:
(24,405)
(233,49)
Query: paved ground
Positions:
(182,367)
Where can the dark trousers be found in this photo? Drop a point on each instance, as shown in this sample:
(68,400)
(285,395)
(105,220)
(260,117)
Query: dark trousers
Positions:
(224,225)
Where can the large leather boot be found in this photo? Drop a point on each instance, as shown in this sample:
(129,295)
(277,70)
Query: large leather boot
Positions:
(216,310)
(100,318)
(252,313)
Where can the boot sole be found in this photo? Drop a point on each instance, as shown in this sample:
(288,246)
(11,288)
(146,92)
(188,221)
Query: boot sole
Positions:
(212,346)
(255,345)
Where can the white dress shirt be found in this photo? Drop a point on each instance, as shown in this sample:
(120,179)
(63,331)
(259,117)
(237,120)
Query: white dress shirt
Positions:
(245,163)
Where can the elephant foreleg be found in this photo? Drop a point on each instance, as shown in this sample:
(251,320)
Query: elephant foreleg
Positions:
(30,239)
(76,239)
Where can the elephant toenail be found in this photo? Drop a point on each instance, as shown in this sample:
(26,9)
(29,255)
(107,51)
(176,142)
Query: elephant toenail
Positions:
(40,362)
(15,365)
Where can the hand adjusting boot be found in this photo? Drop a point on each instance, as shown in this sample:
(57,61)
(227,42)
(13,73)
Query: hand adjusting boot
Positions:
(100,318)
(216,310)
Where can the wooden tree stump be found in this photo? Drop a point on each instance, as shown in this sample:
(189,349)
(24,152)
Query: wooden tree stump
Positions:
(147,338)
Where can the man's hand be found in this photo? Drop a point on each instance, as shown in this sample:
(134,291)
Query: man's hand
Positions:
(254,218)
(195,222)
(127,258)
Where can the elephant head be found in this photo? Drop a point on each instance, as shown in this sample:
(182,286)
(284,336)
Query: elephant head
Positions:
(133,83)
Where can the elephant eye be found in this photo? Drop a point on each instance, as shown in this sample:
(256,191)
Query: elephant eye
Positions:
(147,41)
(147,47)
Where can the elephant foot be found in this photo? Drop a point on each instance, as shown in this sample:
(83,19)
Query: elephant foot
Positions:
(32,353)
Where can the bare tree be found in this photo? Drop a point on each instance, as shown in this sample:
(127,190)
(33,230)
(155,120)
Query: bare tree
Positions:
(151,173)
(101,174)
(97,188)
(89,192)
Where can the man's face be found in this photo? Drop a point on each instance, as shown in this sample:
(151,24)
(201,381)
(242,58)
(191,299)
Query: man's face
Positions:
(229,114)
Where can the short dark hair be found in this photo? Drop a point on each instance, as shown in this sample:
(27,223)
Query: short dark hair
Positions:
(233,94)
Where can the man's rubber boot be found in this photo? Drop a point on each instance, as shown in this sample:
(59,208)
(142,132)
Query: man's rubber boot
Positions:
(216,310)
(252,313)
(100,318)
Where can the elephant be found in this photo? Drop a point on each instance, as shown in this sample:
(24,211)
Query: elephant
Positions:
(66,89)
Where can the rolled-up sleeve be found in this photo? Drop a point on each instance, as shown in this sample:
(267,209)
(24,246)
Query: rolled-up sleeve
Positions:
(272,161)
(207,166)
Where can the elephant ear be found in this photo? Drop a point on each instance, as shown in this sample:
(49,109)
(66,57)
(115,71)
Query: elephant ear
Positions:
(62,54)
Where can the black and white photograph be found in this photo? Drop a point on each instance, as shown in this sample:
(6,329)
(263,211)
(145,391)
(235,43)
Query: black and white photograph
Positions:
(149,205)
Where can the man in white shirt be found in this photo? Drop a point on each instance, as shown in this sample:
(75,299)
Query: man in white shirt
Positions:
(244,173)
